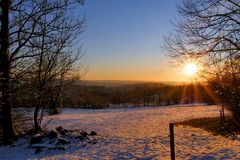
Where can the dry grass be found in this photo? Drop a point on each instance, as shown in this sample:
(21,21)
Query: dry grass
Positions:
(213,125)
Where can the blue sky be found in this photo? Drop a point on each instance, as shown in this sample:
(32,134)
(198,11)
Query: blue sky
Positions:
(124,38)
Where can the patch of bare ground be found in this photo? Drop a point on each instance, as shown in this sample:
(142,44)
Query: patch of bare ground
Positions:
(213,125)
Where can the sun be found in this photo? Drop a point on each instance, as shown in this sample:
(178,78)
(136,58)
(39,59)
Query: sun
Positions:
(190,69)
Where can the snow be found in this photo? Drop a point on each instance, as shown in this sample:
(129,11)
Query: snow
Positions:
(134,133)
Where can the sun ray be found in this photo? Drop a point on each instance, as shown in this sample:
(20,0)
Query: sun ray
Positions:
(210,92)
(184,93)
(197,95)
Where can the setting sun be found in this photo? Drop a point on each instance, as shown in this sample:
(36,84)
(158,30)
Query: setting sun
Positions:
(190,69)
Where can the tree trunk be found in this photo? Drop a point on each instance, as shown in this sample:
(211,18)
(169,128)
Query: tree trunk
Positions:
(8,131)
(37,127)
(35,117)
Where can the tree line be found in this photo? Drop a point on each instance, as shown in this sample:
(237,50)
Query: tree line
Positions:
(137,95)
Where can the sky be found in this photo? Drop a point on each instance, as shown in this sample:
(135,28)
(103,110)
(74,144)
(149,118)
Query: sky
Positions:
(124,40)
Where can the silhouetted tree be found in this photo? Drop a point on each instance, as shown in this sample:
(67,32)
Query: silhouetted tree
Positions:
(20,26)
(55,56)
(208,32)
(5,66)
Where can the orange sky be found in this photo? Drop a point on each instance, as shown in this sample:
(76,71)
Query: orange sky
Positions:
(164,72)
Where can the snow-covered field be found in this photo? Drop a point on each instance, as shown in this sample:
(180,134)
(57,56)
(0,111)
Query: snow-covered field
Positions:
(135,133)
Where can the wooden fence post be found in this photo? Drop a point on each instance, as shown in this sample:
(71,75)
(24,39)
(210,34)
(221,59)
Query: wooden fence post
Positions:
(221,118)
(172,148)
(223,113)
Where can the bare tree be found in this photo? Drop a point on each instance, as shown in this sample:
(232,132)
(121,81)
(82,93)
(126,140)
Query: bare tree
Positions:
(7,123)
(20,21)
(209,32)
(56,55)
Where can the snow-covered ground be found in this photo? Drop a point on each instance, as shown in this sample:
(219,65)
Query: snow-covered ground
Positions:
(135,133)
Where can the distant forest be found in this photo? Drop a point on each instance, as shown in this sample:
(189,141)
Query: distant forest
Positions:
(145,94)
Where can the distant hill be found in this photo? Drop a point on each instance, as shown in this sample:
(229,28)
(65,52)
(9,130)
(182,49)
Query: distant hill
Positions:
(122,83)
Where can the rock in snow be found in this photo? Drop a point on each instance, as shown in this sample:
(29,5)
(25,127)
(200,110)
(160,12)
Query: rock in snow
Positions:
(37,138)
(52,134)
(84,134)
(93,133)
(60,139)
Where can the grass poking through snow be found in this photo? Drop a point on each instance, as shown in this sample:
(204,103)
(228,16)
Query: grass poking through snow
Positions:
(213,125)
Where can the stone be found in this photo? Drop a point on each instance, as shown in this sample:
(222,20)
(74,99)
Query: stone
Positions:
(62,141)
(37,138)
(93,133)
(52,134)
(62,131)
(80,137)
(59,128)
(66,131)
(84,134)
(193,135)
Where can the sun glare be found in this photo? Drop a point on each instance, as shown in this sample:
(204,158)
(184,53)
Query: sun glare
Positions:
(190,69)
